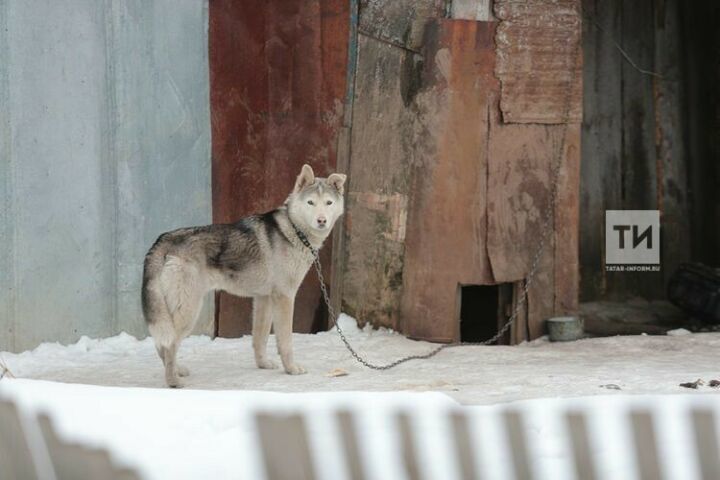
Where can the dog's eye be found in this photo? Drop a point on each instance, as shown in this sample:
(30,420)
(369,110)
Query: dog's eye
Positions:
(329,202)
(310,202)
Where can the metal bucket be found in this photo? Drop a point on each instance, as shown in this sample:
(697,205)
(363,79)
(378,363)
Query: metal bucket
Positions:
(565,329)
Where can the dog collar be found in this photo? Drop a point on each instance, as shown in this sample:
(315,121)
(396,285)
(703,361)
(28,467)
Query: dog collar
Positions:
(303,238)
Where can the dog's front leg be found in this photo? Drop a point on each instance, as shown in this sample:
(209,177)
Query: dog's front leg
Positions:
(262,321)
(282,322)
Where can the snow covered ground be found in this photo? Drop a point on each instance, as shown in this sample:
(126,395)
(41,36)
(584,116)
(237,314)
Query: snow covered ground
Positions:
(206,430)
(471,375)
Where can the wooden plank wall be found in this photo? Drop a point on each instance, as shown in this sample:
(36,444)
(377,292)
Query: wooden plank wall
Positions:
(382,145)
(633,147)
(278,84)
(444,191)
(701,62)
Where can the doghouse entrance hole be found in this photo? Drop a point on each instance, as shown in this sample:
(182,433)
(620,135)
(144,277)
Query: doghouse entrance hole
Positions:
(483,309)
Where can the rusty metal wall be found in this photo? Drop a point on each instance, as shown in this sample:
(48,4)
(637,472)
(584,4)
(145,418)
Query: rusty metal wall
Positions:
(278,72)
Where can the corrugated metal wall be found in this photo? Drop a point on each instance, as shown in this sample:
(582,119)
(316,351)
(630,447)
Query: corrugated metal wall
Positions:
(104,144)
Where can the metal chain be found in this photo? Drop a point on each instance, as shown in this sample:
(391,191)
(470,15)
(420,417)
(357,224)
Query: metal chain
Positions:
(529,279)
(4,370)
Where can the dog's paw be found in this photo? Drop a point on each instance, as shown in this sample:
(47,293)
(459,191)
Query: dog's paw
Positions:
(183,371)
(295,370)
(266,363)
(174,382)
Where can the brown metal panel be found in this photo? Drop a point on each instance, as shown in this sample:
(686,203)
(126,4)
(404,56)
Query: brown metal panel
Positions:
(378,185)
(277,80)
(540,72)
(518,194)
(383,140)
(567,229)
(447,222)
(535,49)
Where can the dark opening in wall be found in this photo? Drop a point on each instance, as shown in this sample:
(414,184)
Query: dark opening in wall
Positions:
(483,310)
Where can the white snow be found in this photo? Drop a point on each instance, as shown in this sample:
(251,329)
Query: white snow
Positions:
(472,375)
(679,331)
(206,430)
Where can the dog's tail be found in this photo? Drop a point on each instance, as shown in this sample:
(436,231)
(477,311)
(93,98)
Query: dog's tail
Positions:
(154,306)
(153,303)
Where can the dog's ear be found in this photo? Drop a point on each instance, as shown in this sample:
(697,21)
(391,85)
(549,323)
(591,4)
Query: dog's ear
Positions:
(337,180)
(305,179)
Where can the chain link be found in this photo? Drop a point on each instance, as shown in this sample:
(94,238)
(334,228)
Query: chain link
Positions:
(546,229)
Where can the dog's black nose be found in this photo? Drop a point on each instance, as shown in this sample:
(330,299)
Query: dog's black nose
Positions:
(322,221)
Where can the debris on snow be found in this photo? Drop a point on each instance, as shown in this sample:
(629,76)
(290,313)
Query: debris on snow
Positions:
(4,370)
(337,372)
(693,385)
(611,386)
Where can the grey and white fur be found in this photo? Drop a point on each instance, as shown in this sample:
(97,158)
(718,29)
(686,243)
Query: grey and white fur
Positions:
(260,256)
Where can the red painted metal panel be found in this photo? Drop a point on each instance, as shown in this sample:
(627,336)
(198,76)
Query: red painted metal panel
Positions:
(277,90)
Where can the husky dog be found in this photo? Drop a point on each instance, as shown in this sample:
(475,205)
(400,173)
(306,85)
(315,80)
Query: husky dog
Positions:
(263,256)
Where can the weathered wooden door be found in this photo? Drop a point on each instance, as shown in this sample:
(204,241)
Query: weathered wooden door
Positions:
(277,81)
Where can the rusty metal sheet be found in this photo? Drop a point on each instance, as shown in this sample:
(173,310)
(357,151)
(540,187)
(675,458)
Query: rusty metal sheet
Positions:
(518,194)
(277,88)
(538,62)
(447,224)
(567,228)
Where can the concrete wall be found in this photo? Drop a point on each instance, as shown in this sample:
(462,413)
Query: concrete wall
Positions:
(104,144)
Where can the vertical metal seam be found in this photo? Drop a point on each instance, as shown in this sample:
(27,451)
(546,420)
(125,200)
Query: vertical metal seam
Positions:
(109,171)
(339,244)
(352,63)
(10,181)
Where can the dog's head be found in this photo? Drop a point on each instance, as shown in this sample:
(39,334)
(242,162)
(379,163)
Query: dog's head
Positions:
(316,202)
